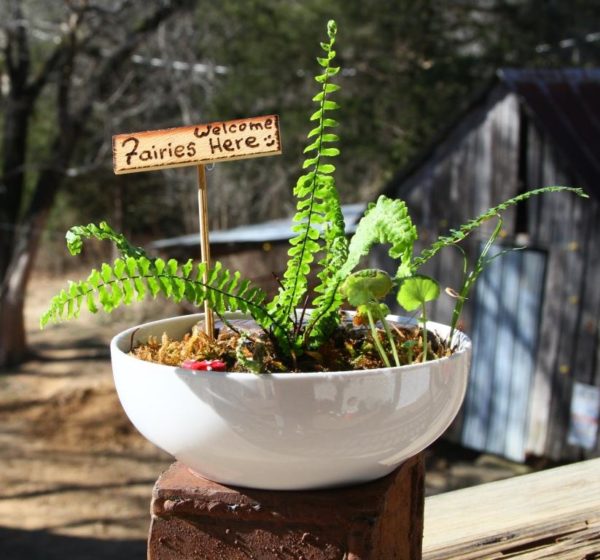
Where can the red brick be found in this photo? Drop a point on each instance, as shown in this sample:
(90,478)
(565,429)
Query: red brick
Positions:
(193,518)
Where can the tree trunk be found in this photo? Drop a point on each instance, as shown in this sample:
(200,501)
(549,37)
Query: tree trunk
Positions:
(16,122)
(13,347)
(13,341)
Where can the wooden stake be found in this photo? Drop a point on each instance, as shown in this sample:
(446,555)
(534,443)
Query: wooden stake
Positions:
(209,323)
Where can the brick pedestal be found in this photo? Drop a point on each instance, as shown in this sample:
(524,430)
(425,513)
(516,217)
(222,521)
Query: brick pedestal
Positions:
(193,518)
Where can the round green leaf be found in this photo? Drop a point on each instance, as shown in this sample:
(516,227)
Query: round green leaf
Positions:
(417,290)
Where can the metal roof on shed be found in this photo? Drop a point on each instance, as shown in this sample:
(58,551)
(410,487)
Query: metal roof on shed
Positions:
(565,103)
(265,232)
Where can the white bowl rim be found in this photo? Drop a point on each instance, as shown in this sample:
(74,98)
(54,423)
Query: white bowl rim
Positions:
(465,343)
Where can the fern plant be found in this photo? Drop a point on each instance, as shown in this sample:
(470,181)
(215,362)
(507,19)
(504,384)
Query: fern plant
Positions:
(319,222)
(319,233)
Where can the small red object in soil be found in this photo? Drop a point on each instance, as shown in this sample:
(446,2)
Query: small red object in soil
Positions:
(205,365)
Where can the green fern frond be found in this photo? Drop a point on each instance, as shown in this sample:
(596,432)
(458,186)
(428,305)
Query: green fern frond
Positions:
(456,236)
(324,317)
(386,221)
(77,234)
(135,278)
(318,220)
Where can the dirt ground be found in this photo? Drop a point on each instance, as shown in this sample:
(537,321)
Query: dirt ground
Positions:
(75,476)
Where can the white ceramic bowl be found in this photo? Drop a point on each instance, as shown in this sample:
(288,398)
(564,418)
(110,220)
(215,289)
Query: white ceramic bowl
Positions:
(288,431)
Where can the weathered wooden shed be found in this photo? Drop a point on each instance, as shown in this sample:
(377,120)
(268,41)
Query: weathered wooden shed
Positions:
(535,314)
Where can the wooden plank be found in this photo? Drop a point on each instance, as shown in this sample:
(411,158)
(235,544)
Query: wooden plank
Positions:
(550,514)
(539,416)
(590,345)
(507,321)
(563,540)
(551,389)
(577,542)
(565,219)
(524,351)
(505,155)
(588,247)
(482,170)
(596,381)
(533,179)
(508,268)
(586,366)
(194,145)
(542,379)
(479,396)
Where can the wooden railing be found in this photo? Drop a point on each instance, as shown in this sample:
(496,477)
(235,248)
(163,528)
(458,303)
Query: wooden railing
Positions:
(553,514)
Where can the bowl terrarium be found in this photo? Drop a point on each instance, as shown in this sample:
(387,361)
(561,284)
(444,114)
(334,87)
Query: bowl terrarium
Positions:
(288,431)
(302,399)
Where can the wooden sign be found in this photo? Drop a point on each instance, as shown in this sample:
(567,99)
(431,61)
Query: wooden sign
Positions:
(196,145)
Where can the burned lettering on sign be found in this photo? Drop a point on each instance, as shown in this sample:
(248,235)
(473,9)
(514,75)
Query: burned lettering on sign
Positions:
(195,145)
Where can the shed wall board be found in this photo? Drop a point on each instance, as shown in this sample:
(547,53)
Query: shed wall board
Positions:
(508,302)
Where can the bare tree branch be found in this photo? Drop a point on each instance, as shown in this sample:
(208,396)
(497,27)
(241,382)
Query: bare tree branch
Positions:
(17,46)
(122,53)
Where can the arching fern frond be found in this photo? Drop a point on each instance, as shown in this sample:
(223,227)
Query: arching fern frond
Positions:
(135,278)
(102,232)
(456,236)
(386,221)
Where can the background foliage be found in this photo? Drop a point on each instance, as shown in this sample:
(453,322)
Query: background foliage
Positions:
(409,66)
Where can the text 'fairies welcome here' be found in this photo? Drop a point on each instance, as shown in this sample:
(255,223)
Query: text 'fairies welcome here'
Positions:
(195,145)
